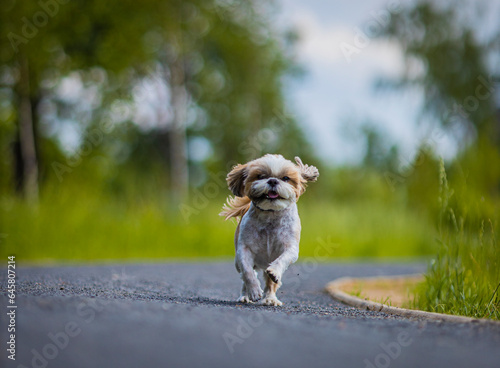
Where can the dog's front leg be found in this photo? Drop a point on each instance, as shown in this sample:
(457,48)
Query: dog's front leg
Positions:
(251,290)
(279,265)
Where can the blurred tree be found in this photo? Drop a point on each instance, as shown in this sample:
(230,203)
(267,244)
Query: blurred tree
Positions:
(447,59)
(377,154)
(240,86)
(456,69)
(43,41)
(233,65)
(221,62)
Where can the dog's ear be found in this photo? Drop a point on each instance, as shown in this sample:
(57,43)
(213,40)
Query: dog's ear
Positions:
(309,173)
(236,179)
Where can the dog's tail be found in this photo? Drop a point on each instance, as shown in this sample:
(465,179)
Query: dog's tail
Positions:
(235,207)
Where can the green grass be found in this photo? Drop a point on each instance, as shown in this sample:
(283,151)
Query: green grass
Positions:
(365,229)
(82,222)
(93,227)
(464,277)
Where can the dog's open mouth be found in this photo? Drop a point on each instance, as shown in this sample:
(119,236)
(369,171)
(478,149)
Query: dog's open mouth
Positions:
(272,195)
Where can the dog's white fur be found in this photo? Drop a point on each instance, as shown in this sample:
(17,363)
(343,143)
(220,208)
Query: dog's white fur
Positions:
(268,232)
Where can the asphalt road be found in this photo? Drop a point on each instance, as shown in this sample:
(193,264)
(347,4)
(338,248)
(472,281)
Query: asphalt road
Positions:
(184,315)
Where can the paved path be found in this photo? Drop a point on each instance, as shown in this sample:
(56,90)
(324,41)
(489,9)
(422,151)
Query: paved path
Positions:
(184,315)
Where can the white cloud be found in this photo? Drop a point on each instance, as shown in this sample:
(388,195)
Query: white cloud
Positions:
(335,90)
(319,43)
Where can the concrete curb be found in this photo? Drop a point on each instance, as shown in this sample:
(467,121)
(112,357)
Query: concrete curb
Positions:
(334,288)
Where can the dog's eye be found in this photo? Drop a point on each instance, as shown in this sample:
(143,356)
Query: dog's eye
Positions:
(261,176)
(285,178)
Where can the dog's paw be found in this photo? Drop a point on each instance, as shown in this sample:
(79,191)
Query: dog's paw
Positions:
(273,275)
(271,301)
(244,299)
(255,293)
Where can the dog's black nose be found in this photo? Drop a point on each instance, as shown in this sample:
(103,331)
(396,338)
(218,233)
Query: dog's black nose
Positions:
(272,182)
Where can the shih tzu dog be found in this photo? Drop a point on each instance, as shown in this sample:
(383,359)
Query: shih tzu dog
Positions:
(267,237)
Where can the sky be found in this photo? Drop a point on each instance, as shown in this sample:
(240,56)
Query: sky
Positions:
(343,59)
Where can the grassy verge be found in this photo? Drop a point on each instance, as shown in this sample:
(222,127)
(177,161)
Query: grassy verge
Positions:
(464,277)
(82,222)
(392,291)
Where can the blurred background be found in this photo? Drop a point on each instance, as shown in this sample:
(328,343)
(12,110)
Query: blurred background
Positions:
(120,119)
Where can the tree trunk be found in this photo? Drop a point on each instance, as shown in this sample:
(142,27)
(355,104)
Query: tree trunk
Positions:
(177,138)
(29,180)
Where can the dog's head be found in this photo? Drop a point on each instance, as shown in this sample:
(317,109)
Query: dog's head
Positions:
(271,182)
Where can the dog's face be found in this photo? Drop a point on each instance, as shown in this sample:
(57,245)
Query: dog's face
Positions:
(271,182)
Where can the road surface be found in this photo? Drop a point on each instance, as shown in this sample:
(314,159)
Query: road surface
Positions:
(184,315)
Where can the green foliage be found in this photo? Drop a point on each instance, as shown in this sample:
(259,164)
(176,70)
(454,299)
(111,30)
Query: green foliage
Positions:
(234,65)
(7,130)
(377,155)
(446,59)
(449,62)
(479,168)
(130,217)
(365,228)
(240,86)
(464,277)
(422,186)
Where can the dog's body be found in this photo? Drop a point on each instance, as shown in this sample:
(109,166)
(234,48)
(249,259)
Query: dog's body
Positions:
(268,233)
